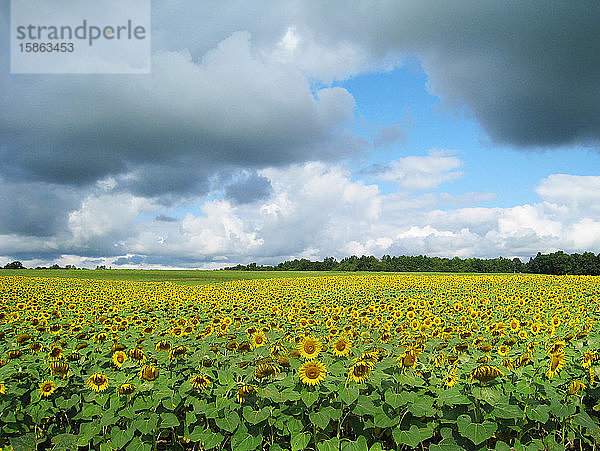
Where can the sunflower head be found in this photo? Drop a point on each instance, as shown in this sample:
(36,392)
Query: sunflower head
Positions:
(97,382)
(137,354)
(3,388)
(126,389)
(486,373)
(259,339)
(341,347)
(575,387)
(163,345)
(200,381)
(360,371)
(312,372)
(244,392)
(265,370)
(58,368)
(119,358)
(148,373)
(47,388)
(309,348)
(178,352)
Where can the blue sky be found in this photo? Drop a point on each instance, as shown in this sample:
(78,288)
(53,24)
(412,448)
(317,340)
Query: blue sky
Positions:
(269,131)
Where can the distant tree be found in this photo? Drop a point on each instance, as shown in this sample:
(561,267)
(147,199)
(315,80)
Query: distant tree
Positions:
(14,265)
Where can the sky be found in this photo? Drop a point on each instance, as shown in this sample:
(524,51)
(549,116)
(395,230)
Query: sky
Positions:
(275,130)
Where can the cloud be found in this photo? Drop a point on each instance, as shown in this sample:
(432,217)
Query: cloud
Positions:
(169,132)
(248,188)
(421,173)
(527,72)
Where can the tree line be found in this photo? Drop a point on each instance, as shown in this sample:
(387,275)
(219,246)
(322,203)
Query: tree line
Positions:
(556,263)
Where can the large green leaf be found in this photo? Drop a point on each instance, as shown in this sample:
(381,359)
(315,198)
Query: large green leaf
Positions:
(309,397)
(87,431)
(476,432)
(507,411)
(207,437)
(452,397)
(359,445)
(348,394)
(256,416)
(364,406)
(146,424)
(329,445)
(538,412)
(383,420)
(136,444)
(320,418)
(413,436)
(229,423)
(168,420)
(243,441)
(121,437)
(583,419)
(392,399)
(25,442)
(299,441)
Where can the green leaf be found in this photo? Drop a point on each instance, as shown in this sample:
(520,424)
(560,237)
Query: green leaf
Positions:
(272,393)
(502,446)
(243,441)
(229,423)
(168,420)
(446,444)
(423,406)
(146,424)
(452,397)
(290,395)
(507,412)
(89,411)
(25,442)
(560,410)
(320,418)
(329,445)
(383,420)
(294,425)
(583,419)
(300,440)
(309,397)
(413,436)
(119,438)
(358,445)
(87,431)
(538,412)
(65,442)
(256,416)
(476,432)
(348,394)
(207,437)
(364,406)
(392,399)
(136,444)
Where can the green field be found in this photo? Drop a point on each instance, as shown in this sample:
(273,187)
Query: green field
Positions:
(182,277)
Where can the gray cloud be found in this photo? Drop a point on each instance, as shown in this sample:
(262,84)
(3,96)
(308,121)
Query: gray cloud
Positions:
(529,72)
(249,188)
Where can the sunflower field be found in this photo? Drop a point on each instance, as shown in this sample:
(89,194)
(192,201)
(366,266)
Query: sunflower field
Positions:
(358,362)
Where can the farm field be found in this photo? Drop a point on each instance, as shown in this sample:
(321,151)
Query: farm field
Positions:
(180,277)
(352,362)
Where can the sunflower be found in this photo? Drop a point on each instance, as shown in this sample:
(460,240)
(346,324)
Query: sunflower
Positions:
(575,387)
(178,352)
(523,359)
(508,363)
(119,358)
(309,348)
(556,363)
(59,369)
(3,388)
(163,345)
(47,388)
(265,370)
(360,371)
(283,360)
(56,353)
(503,350)
(587,359)
(148,372)
(258,339)
(97,382)
(244,347)
(137,354)
(231,345)
(126,389)
(486,373)
(451,378)
(200,381)
(277,350)
(341,347)
(312,372)
(14,354)
(244,392)
(35,347)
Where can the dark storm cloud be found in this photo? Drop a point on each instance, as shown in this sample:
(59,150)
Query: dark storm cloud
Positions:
(133,260)
(249,188)
(529,71)
(34,209)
